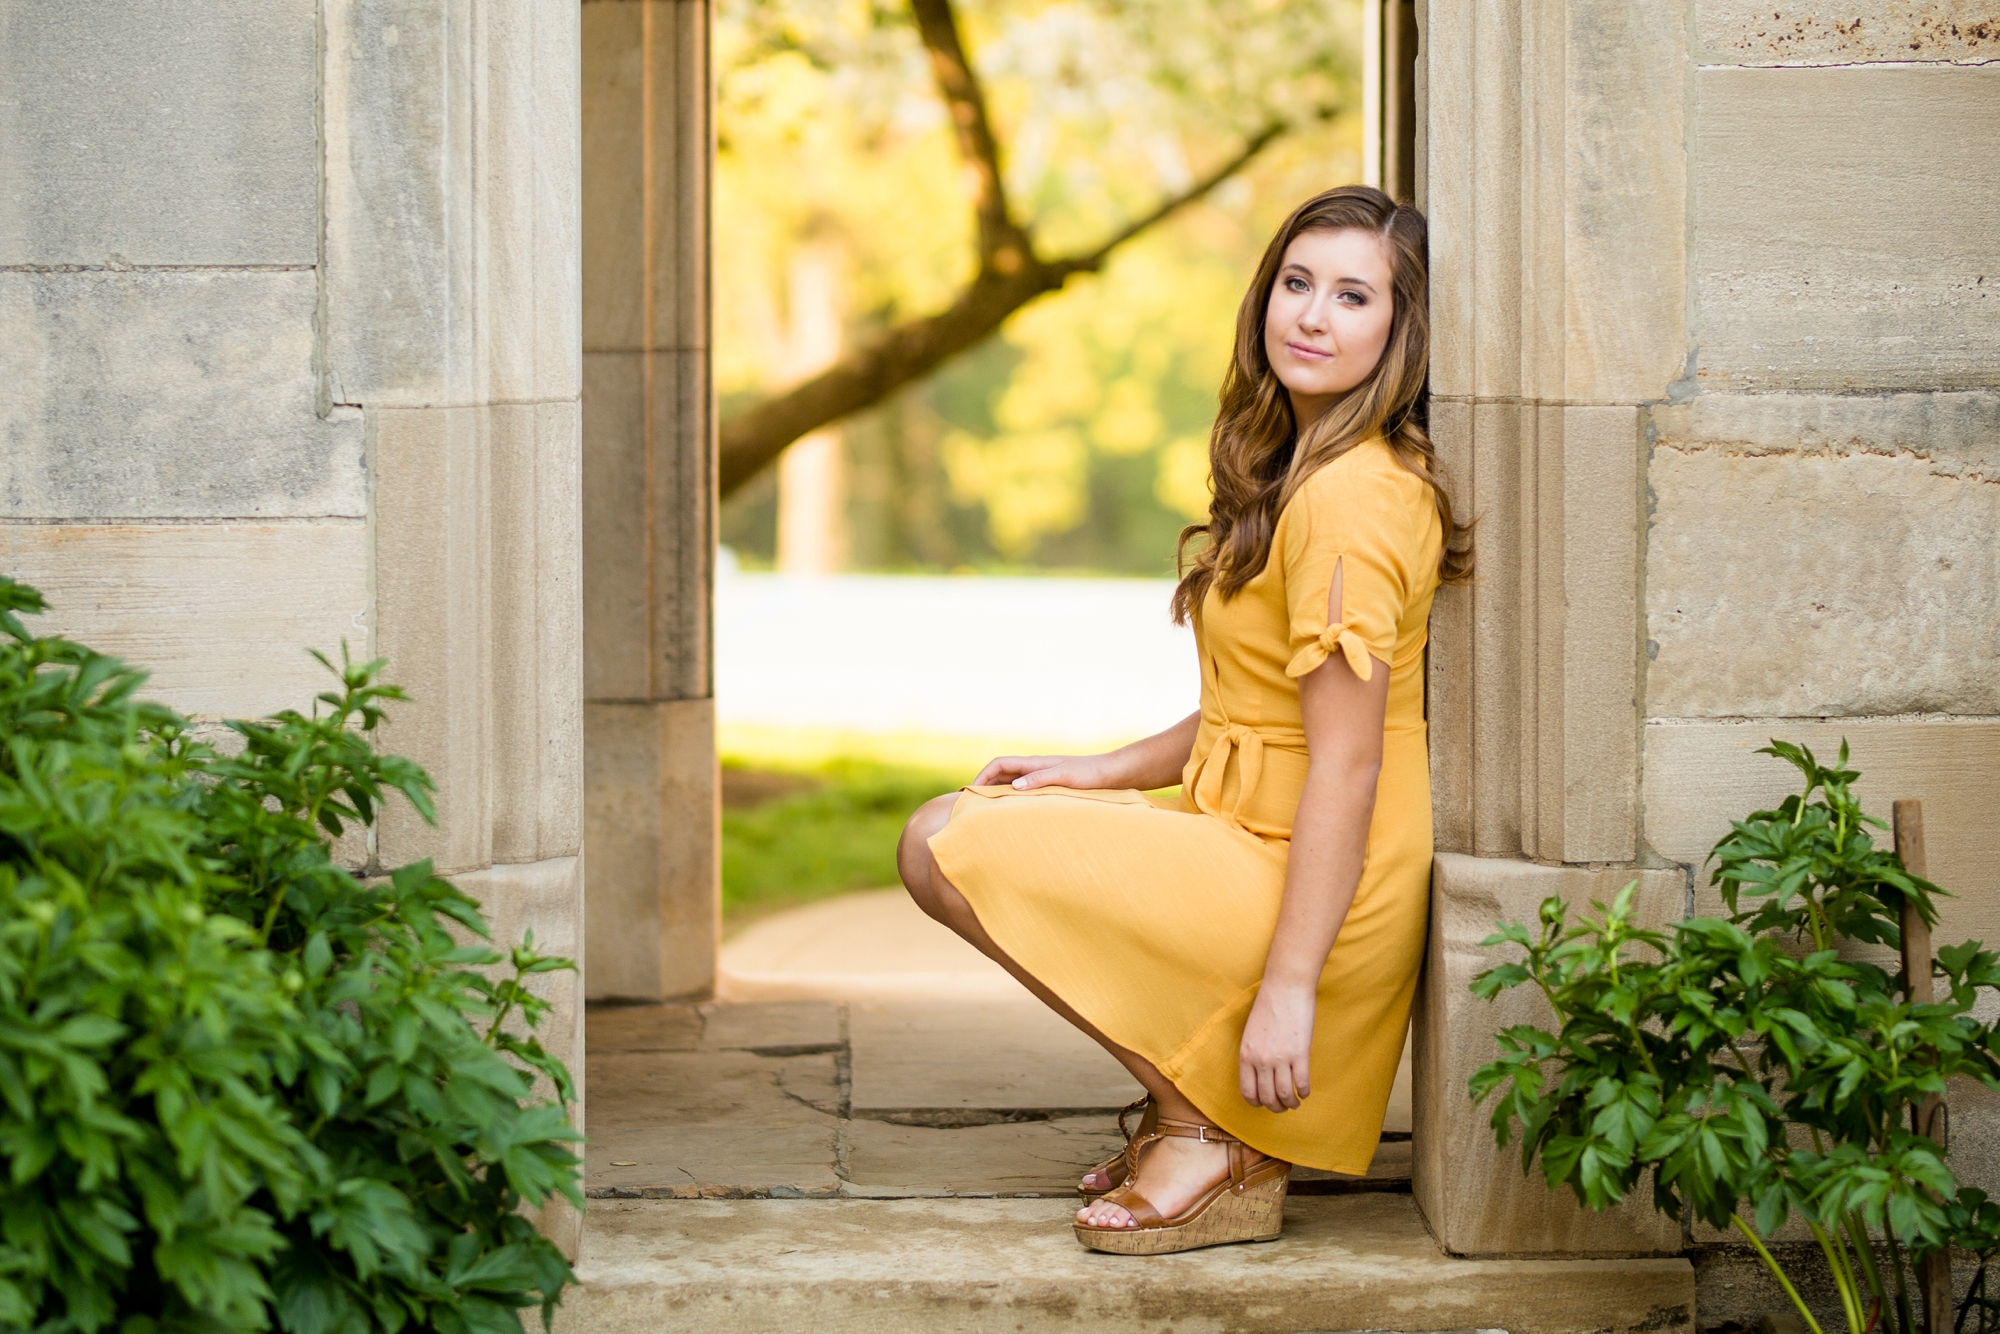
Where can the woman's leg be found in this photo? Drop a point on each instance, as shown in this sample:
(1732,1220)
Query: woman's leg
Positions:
(1174,1171)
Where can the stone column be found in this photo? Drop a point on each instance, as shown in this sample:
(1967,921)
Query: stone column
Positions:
(1554,181)
(289,303)
(1713,369)
(649,502)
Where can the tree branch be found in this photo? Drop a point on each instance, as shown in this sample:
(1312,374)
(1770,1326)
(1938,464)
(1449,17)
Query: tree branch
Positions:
(1003,246)
(878,367)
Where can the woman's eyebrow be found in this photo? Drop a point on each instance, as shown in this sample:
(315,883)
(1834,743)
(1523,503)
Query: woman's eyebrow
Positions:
(1357,282)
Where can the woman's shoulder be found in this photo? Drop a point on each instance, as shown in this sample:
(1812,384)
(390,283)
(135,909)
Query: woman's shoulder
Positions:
(1367,478)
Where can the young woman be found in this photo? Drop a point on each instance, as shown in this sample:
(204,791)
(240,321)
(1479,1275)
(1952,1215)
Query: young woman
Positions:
(1250,951)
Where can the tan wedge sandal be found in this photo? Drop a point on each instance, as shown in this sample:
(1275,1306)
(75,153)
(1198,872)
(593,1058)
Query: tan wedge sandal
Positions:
(1246,1205)
(1118,1166)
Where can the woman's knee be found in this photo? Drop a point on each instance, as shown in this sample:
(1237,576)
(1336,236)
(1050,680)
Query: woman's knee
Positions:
(913,853)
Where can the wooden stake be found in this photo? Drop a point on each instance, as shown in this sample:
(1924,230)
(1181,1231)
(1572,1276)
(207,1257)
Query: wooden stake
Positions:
(1928,1118)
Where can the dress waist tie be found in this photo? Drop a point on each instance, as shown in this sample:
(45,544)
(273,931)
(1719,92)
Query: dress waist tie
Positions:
(1246,745)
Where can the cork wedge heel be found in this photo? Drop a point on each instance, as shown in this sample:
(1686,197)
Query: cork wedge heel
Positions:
(1113,1170)
(1246,1205)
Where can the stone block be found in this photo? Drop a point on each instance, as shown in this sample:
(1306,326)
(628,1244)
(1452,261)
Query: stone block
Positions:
(434,623)
(637,61)
(174,133)
(1751,32)
(643,1028)
(617,594)
(220,614)
(977,1056)
(1498,433)
(528,167)
(1624,288)
(1015,1158)
(643,1089)
(168,395)
(652,818)
(537,632)
(1847,227)
(1450,662)
(1700,776)
(1473,1194)
(1884,602)
(451,208)
(1449,199)
(865,1266)
(772,1029)
(746,1157)
(1580,733)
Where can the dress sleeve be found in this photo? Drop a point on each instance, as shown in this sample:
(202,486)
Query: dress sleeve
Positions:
(1353,521)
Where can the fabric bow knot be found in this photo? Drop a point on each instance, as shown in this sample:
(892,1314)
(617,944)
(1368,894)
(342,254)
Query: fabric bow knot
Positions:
(1335,638)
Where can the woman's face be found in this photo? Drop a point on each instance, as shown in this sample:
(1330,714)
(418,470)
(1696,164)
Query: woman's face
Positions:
(1329,315)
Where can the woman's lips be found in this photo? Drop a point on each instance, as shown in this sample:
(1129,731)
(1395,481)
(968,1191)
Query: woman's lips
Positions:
(1306,352)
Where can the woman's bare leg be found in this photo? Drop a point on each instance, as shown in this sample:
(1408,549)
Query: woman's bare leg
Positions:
(1175,1171)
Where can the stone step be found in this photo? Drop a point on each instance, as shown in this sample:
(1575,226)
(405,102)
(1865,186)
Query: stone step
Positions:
(1012,1266)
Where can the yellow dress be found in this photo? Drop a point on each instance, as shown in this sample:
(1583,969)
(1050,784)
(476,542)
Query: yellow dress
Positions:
(1153,919)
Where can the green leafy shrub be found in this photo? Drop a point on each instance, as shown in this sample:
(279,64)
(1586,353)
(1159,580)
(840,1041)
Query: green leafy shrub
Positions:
(1743,1063)
(238,1085)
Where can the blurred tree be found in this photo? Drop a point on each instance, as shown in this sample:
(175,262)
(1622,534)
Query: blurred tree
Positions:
(1106,102)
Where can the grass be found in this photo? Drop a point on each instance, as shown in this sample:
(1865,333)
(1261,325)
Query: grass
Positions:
(810,814)
(835,831)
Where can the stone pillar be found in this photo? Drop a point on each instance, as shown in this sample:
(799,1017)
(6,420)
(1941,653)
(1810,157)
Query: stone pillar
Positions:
(1554,180)
(1712,367)
(649,501)
(289,304)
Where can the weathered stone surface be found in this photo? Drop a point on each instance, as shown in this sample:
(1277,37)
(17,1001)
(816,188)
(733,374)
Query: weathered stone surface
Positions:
(659,1088)
(617,611)
(178,132)
(1851,573)
(537,632)
(747,1156)
(774,1028)
(220,614)
(643,1028)
(1755,32)
(1700,776)
(1847,227)
(545,898)
(1473,1194)
(992,1056)
(1581,725)
(430,301)
(168,395)
(434,623)
(986,1266)
(652,815)
(868,945)
(1018,1158)
(1624,276)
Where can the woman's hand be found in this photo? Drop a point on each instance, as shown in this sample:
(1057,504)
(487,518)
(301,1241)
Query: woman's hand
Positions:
(1277,1047)
(1027,771)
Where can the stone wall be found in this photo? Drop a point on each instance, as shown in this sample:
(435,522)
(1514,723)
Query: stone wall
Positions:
(289,329)
(1715,326)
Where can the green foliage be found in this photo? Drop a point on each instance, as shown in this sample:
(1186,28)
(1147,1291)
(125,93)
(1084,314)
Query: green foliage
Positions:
(238,1085)
(1744,1063)
(837,834)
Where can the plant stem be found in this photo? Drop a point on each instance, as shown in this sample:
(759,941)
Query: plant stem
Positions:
(1777,1272)
(1843,1278)
(1905,1318)
(1864,1252)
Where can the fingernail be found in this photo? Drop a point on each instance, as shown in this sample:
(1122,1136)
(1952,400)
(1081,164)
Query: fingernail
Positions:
(1020,782)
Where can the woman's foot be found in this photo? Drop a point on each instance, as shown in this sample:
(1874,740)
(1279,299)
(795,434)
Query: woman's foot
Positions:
(1173,1174)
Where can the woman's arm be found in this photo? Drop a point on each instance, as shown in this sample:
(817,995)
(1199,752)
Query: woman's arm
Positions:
(1155,762)
(1343,717)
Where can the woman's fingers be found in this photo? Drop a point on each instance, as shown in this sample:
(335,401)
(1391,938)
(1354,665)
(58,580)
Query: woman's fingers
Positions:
(1302,1077)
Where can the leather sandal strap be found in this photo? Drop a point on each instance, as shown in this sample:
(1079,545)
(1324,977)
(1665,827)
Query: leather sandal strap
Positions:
(1195,1130)
(1132,1202)
(1136,1105)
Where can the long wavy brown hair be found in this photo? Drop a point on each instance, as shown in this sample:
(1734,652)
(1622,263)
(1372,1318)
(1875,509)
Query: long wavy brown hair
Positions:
(1257,459)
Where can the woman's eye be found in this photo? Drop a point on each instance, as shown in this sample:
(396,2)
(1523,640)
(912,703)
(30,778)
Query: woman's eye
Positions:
(1353,298)
(1296,285)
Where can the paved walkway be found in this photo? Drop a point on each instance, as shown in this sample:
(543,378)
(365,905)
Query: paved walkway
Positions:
(862,1051)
